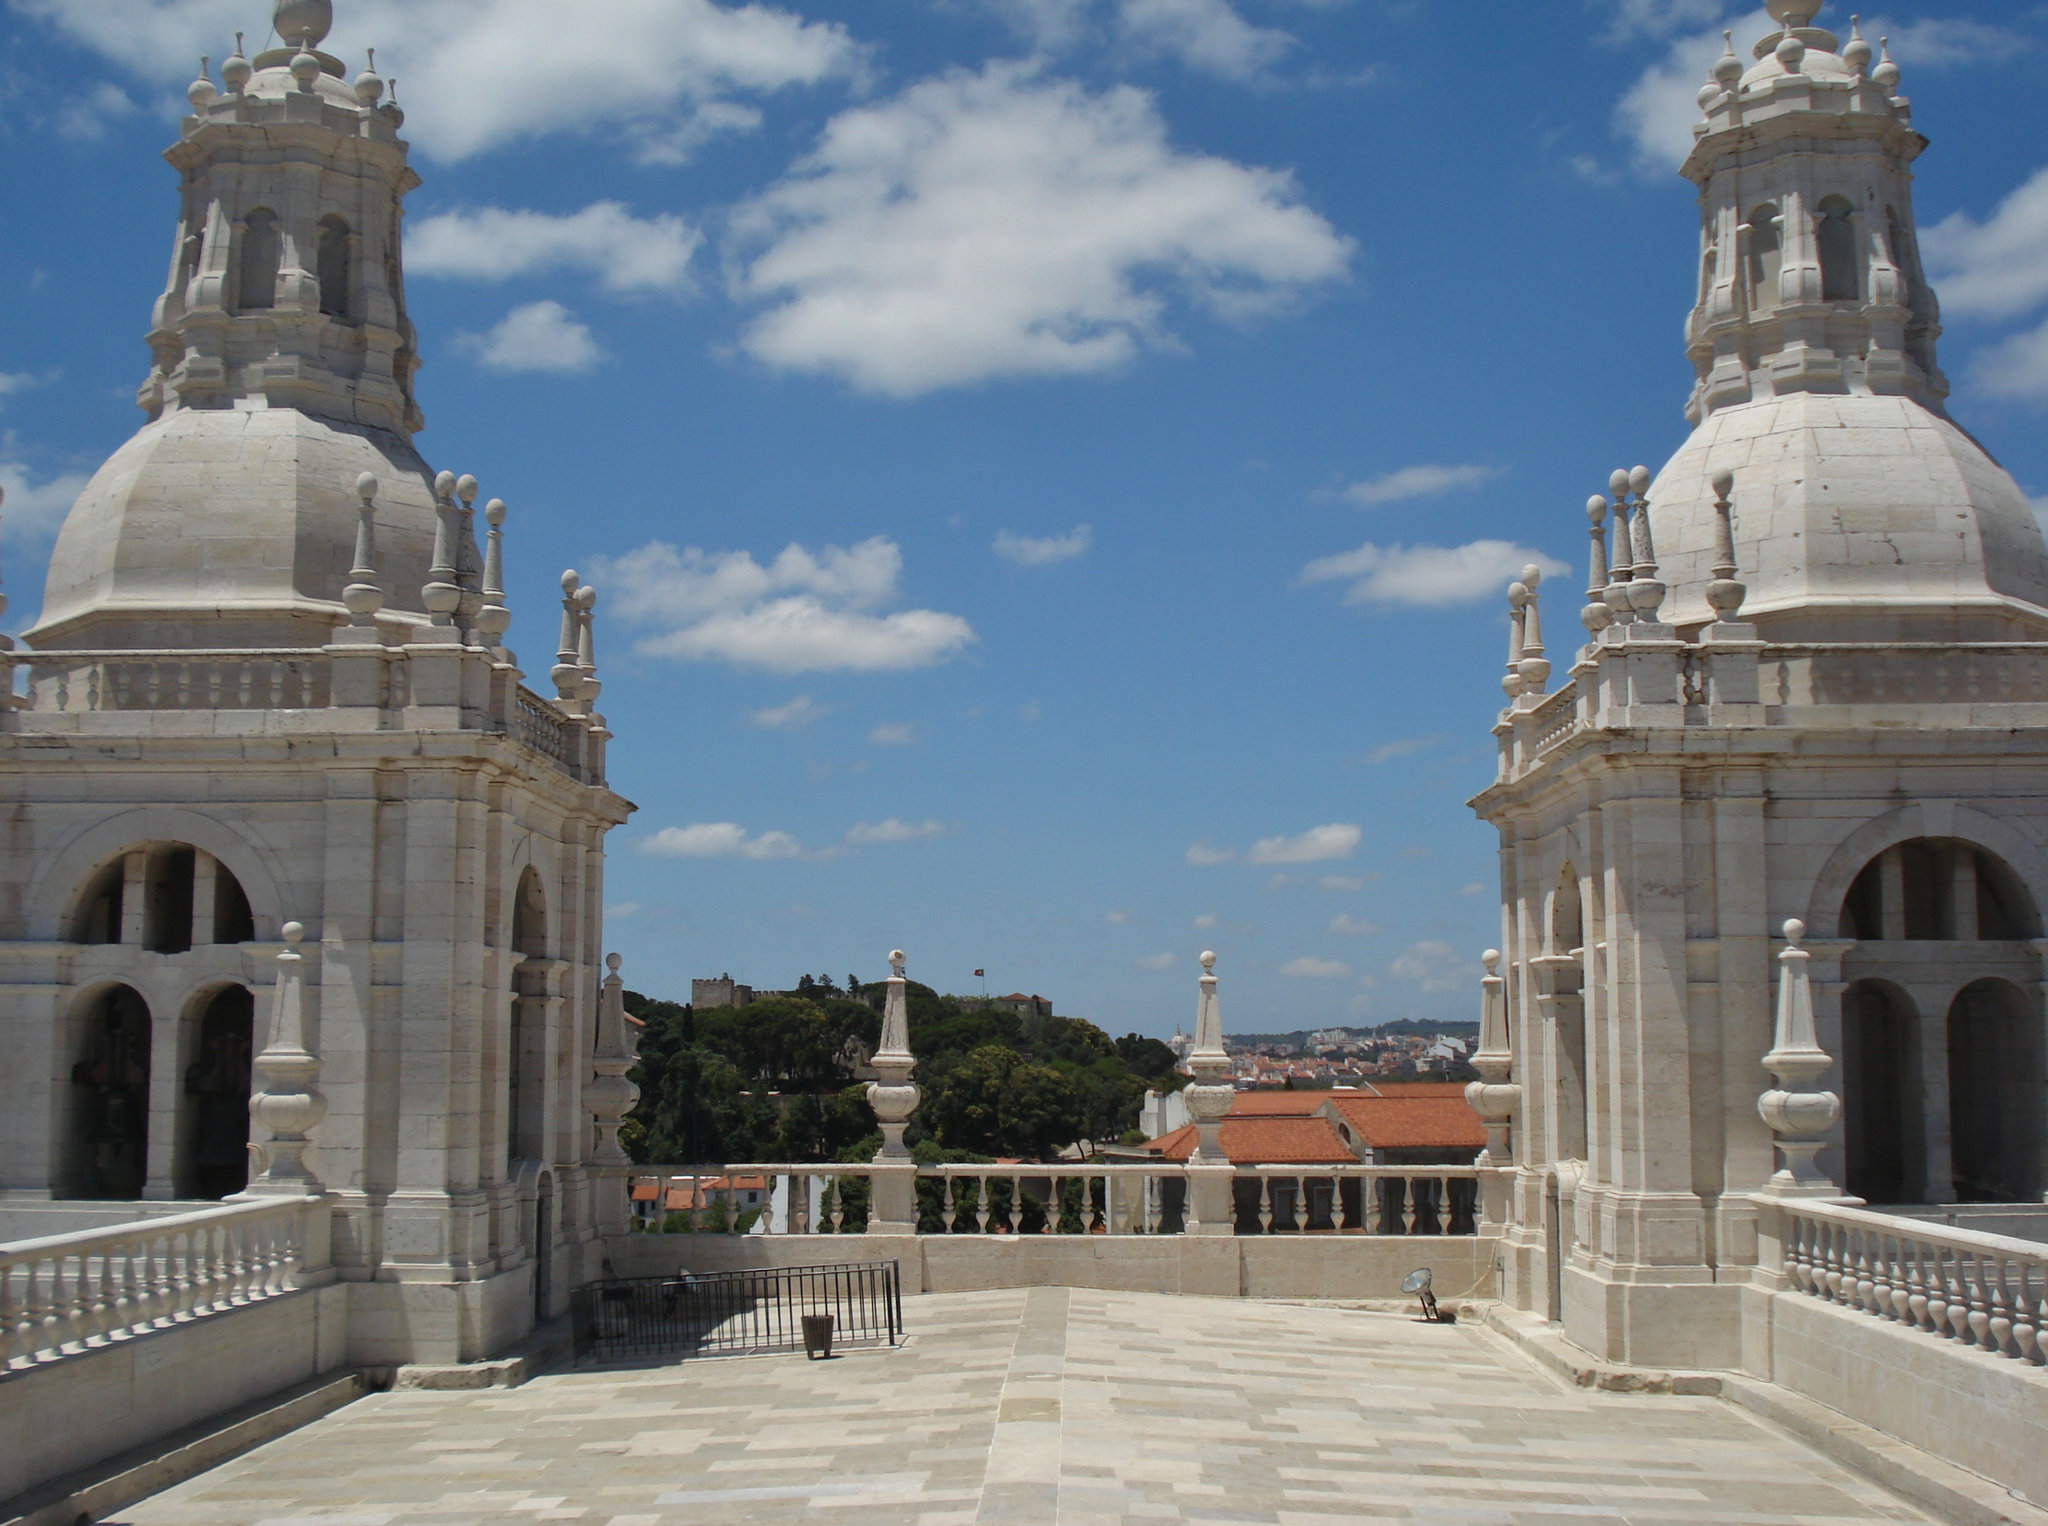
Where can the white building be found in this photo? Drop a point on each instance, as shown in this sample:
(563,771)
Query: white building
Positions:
(269,686)
(1816,688)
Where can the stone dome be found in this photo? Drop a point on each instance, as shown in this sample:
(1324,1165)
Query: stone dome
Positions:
(1855,518)
(233,528)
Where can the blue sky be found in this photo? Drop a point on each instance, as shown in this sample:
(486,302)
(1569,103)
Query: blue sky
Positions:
(1050,466)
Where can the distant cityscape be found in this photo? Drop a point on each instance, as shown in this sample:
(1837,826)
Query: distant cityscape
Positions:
(1315,1059)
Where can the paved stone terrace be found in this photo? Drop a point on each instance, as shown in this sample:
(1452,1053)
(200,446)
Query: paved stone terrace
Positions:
(1046,1406)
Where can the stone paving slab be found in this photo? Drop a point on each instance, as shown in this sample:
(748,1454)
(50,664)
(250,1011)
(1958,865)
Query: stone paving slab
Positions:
(1042,1406)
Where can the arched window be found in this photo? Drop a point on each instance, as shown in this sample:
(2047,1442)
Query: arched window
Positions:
(213,1131)
(334,267)
(1841,278)
(1938,889)
(163,897)
(261,251)
(1765,257)
(107,1141)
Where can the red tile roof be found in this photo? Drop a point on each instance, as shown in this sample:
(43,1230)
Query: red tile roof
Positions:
(1439,1119)
(1266,1142)
(1277,1104)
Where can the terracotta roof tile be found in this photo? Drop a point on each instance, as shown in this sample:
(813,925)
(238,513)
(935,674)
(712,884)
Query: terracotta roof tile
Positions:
(1265,1142)
(1439,1120)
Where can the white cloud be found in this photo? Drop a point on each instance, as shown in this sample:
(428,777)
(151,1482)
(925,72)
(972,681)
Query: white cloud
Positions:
(992,224)
(1027,551)
(893,829)
(799,712)
(1340,882)
(1316,969)
(36,508)
(896,734)
(1337,840)
(1658,18)
(1475,888)
(802,612)
(12,382)
(1348,926)
(625,253)
(1116,918)
(1401,747)
(623,909)
(1202,854)
(1943,43)
(480,74)
(1416,482)
(1656,114)
(1429,576)
(1997,268)
(541,336)
(2017,368)
(85,117)
(719,839)
(1204,34)
(1156,962)
(1434,966)
(1204,922)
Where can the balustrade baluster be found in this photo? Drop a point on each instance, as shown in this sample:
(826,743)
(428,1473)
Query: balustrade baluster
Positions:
(1052,1205)
(1860,1296)
(73,1303)
(154,687)
(1962,1308)
(1409,1192)
(14,1316)
(1938,1292)
(1154,1202)
(838,1206)
(244,672)
(43,1325)
(981,1203)
(184,686)
(213,686)
(2001,1308)
(1880,1277)
(2026,1327)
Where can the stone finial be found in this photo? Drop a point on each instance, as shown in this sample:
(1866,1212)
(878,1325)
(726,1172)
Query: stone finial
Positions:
(1728,70)
(1535,667)
(442,595)
(364,596)
(1796,1113)
(1886,75)
(1209,1098)
(587,686)
(289,1104)
(369,87)
(1724,593)
(1518,607)
(1596,616)
(305,67)
(1645,593)
(493,619)
(609,1095)
(893,1095)
(1491,1096)
(566,673)
(236,72)
(1621,567)
(201,92)
(1793,13)
(1857,53)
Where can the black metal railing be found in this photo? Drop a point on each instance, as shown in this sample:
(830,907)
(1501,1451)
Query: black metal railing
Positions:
(734,1313)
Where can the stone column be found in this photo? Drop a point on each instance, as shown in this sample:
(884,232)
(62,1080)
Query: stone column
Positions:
(1210,1176)
(1796,1113)
(1492,1096)
(892,1203)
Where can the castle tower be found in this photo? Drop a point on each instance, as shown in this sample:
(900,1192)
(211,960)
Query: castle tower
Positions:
(1815,689)
(270,686)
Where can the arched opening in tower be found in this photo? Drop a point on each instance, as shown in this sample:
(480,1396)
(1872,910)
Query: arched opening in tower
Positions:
(1882,1123)
(213,1109)
(106,1137)
(1995,1071)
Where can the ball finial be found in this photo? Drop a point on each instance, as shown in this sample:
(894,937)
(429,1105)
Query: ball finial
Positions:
(293,932)
(1531,576)
(465,488)
(1639,481)
(1596,509)
(1793,13)
(305,22)
(613,961)
(571,582)
(1491,959)
(444,485)
(1724,483)
(367,486)
(1617,484)
(494,512)
(1794,930)
(1209,959)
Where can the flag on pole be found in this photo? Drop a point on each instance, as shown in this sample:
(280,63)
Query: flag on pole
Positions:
(979,973)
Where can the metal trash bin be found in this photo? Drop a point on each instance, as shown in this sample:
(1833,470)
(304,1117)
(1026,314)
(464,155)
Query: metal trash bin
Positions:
(817,1336)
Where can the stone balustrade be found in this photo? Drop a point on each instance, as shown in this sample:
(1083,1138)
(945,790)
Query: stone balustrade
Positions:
(1102,1198)
(65,1295)
(1979,1290)
(260,691)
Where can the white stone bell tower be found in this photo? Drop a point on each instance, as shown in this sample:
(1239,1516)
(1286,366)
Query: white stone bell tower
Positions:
(270,688)
(1814,691)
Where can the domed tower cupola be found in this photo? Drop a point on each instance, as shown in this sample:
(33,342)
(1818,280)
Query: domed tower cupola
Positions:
(1810,269)
(1861,512)
(282,371)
